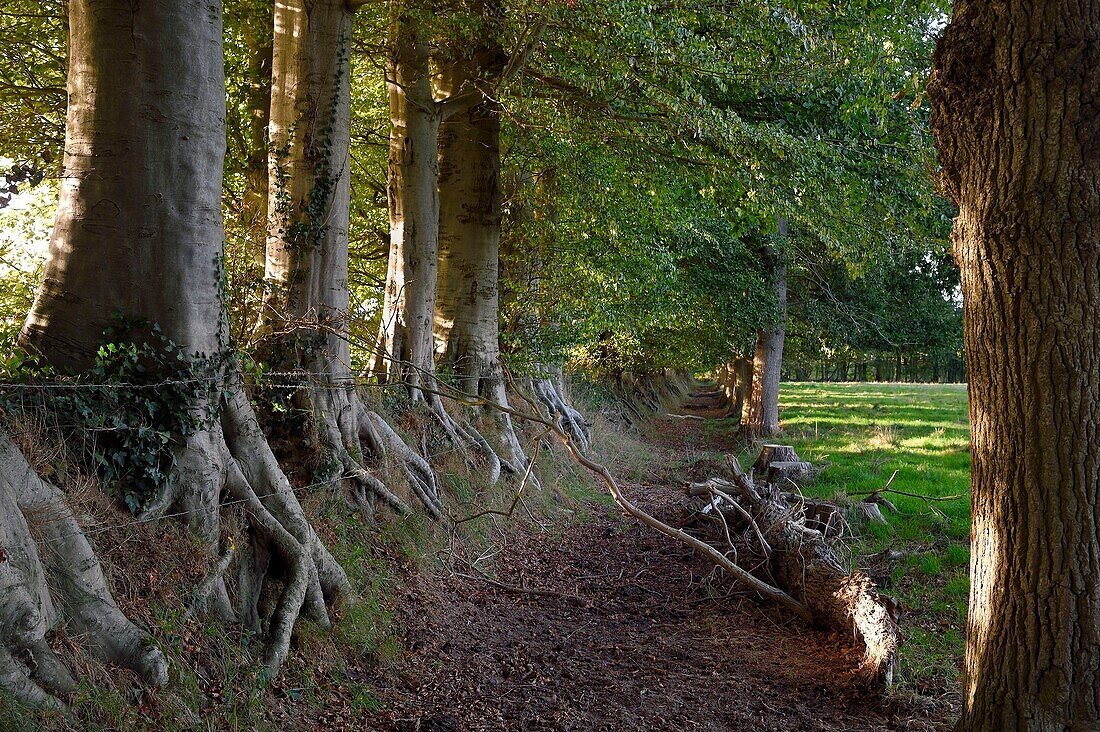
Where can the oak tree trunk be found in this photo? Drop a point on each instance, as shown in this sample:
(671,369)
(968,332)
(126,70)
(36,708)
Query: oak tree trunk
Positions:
(1015,90)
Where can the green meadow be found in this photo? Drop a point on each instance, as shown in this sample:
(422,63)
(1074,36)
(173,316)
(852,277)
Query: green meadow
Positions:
(860,435)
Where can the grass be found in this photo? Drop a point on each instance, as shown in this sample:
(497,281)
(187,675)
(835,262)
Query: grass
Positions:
(860,434)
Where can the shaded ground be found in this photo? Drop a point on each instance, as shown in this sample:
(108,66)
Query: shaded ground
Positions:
(604,625)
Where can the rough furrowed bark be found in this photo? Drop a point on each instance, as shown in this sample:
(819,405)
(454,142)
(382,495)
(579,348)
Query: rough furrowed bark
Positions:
(1014,91)
(49,574)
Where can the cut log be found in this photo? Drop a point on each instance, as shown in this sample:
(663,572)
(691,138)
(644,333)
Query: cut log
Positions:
(826,517)
(774,454)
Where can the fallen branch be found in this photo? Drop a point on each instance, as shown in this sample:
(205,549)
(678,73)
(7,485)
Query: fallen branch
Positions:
(808,567)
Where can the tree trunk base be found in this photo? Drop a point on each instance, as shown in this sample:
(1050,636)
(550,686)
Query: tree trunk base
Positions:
(281,548)
(549,390)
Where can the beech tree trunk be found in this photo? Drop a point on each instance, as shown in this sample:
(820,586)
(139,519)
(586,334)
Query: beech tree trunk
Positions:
(305,318)
(763,417)
(254,201)
(467,307)
(139,232)
(405,351)
(1015,92)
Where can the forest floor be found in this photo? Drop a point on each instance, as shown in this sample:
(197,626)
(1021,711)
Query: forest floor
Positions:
(590,621)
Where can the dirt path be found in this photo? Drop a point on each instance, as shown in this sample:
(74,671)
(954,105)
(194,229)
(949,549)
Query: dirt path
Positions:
(625,633)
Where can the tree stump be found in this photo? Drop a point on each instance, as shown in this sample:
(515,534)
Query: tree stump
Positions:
(774,454)
(782,470)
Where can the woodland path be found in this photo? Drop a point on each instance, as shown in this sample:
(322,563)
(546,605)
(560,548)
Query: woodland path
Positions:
(625,634)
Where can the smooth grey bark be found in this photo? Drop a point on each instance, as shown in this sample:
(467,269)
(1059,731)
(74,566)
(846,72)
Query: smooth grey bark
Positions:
(254,201)
(139,232)
(405,353)
(763,412)
(50,573)
(467,307)
(306,309)
(1014,96)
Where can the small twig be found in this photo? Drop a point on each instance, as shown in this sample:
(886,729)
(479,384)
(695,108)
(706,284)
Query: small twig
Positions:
(912,495)
(519,491)
(745,515)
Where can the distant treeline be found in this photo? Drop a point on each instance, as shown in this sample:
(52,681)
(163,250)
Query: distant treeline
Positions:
(910,367)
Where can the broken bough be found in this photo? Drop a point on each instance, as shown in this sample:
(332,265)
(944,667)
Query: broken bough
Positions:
(788,541)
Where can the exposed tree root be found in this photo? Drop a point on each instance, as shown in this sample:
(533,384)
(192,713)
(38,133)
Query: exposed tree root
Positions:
(281,545)
(338,419)
(49,573)
(481,376)
(464,434)
(549,389)
(654,394)
(376,432)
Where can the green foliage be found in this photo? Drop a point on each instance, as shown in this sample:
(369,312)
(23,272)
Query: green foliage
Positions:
(648,148)
(653,146)
(32,84)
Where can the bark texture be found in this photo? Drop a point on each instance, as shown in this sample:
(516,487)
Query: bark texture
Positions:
(804,564)
(306,308)
(405,351)
(1016,91)
(139,232)
(550,389)
(763,417)
(735,380)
